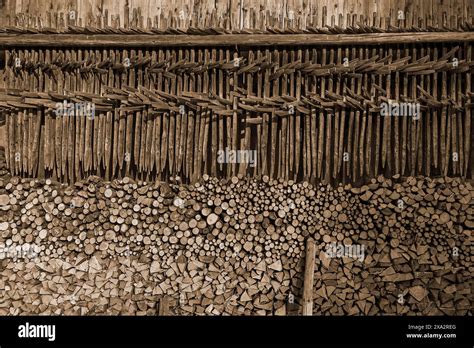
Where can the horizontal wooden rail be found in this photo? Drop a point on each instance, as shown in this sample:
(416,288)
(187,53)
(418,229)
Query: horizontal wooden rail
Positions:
(147,40)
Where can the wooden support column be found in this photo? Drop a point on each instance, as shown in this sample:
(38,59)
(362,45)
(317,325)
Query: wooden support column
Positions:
(309,278)
(164,306)
(3,133)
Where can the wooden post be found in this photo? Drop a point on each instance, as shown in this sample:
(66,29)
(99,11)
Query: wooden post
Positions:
(164,306)
(309,278)
(3,135)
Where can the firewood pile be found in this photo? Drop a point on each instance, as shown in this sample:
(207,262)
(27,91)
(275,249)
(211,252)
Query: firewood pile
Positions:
(236,158)
(234,246)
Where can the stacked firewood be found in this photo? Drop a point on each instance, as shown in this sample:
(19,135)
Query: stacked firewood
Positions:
(234,246)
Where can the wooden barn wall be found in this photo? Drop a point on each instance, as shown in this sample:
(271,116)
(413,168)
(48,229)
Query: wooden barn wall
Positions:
(234,14)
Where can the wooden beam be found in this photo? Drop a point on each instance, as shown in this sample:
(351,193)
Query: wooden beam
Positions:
(309,278)
(150,40)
